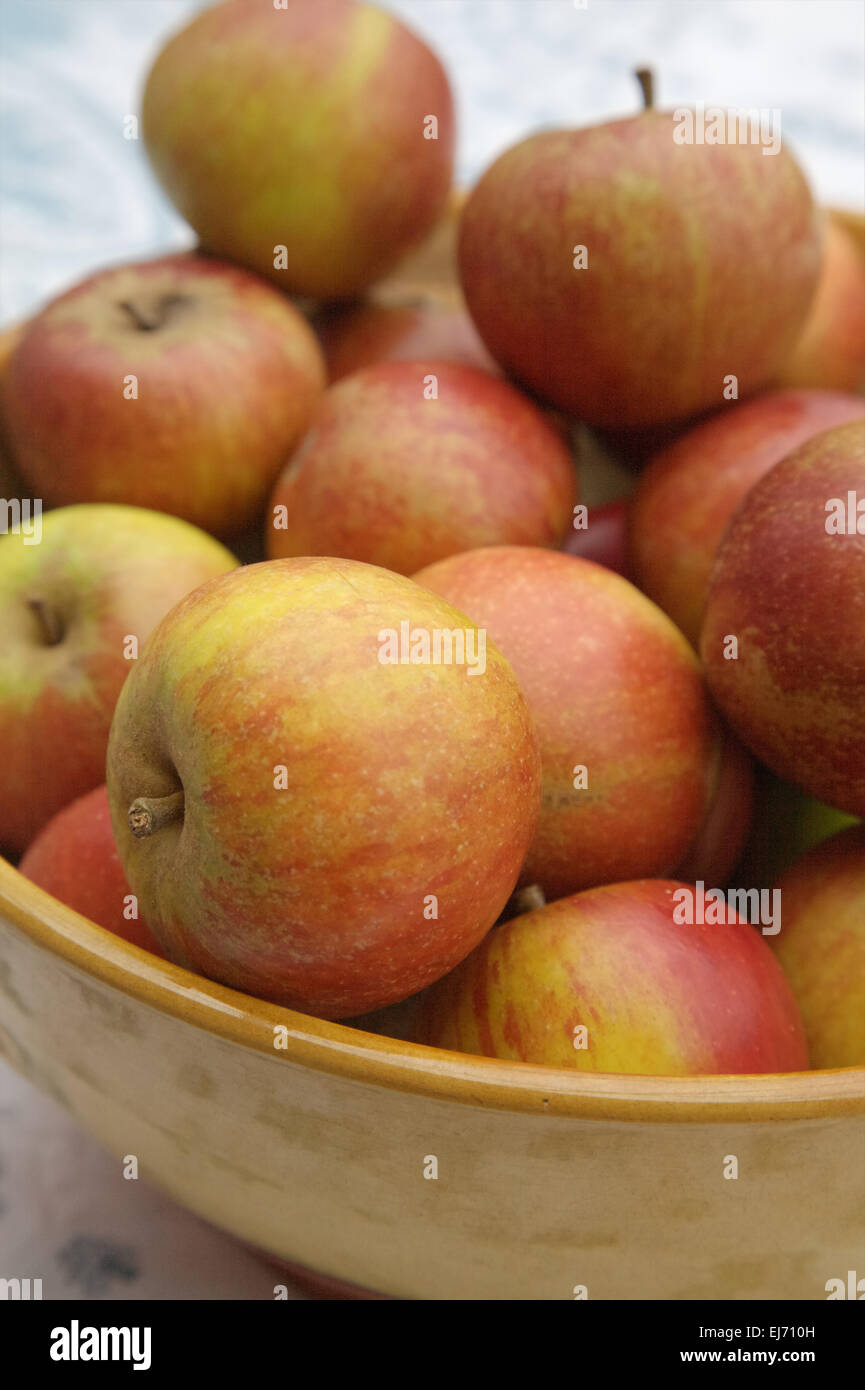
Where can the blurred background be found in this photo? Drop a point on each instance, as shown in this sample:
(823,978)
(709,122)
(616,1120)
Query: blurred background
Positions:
(76,194)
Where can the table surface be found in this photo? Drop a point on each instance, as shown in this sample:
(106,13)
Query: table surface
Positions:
(77,195)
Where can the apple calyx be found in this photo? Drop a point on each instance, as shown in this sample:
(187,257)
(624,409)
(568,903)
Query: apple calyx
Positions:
(149,320)
(147,814)
(50,624)
(646,79)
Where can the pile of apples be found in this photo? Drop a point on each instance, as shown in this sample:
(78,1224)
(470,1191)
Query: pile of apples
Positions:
(463,761)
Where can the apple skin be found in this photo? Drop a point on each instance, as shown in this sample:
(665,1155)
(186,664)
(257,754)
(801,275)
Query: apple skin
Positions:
(302,128)
(658,998)
(830,351)
(74,858)
(604,540)
(228,379)
(794,598)
(821,946)
(720,844)
(702,262)
(688,493)
(613,686)
(353,336)
(11,483)
(401,781)
(391,478)
(785,825)
(106,573)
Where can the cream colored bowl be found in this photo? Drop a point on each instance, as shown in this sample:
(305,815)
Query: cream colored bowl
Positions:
(548,1180)
(316,1151)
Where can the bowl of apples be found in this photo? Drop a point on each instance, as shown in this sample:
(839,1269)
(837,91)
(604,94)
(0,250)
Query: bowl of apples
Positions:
(432,704)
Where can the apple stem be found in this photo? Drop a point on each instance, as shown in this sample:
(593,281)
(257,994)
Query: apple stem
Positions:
(48,620)
(147,814)
(646,79)
(147,322)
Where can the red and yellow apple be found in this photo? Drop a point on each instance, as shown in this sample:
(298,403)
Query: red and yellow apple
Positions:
(320,794)
(179,384)
(75,608)
(830,351)
(74,858)
(629,743)
(311,142)
(612,980)
(783,638)
(408,462)
(627,277)
(821,946)
(688,493)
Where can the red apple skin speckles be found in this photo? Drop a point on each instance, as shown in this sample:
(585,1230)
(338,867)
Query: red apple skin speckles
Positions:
(656,996)
(400,782)
(227,378)
(793,597)
(614,687)
(394,478)
(302,128)
(689,491)
(702,262)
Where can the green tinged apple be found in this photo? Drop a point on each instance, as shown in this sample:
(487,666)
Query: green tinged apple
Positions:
(311,142)
(821,946)
(77,600)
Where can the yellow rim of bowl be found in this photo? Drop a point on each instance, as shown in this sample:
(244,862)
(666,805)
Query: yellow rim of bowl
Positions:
(386,1062)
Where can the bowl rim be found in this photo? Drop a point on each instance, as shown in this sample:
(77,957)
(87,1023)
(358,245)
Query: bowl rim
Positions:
(374,1060)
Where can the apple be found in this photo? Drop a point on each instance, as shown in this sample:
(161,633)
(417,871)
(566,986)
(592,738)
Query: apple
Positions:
(603,538)
(830,351)
(689,491)
(629,744)
(11,483)
(178,384)
(353,336)
(76,603)
(311,142)
(408,462)
(821,946)
(323,784)
(74,858)
(651,994)
(785,825)
(783,638)
(626,277)
(725,832)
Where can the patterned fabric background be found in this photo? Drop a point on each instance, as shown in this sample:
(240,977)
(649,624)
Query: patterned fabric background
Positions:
(76,195)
